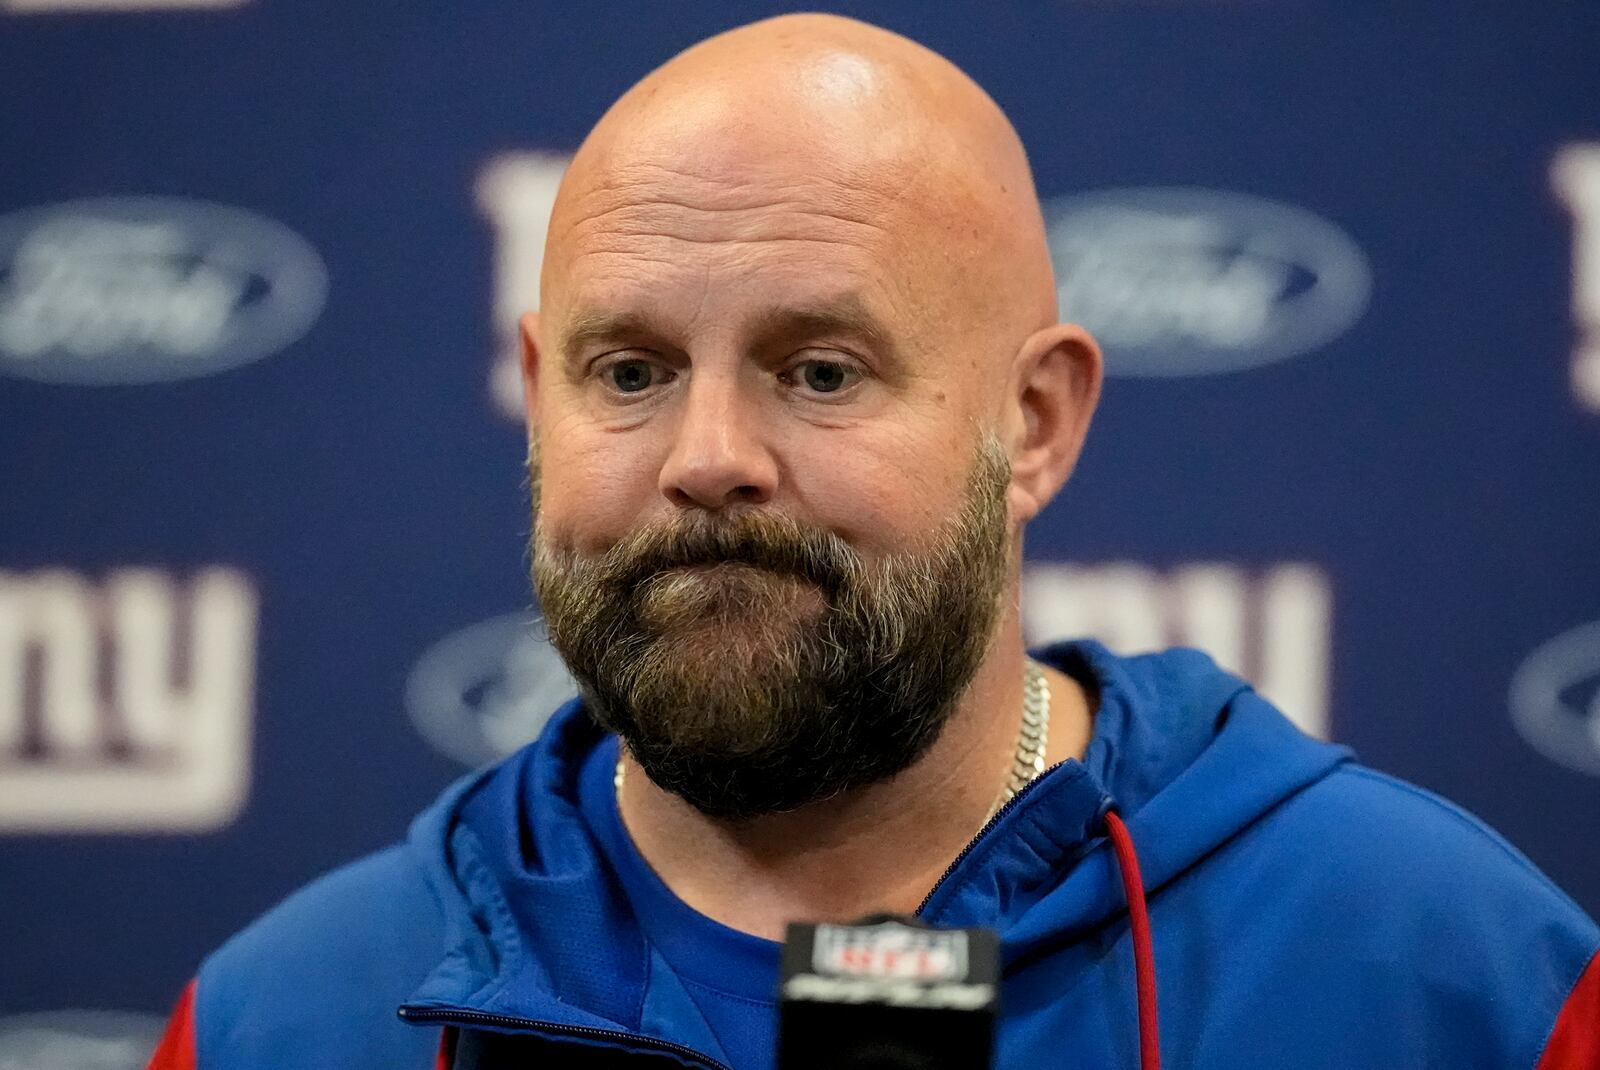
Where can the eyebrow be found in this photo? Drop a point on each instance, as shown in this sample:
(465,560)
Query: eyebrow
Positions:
(844,315)
(588,328)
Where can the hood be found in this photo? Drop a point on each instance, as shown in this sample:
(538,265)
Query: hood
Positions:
(539,931)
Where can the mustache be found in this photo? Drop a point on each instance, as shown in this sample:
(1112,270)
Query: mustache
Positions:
(773,541)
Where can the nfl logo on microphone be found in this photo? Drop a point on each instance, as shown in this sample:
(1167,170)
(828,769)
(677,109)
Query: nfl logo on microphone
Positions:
(890,950)
(888,991)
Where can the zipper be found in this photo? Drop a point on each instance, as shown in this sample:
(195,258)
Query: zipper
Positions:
(634,1040)
(973,843)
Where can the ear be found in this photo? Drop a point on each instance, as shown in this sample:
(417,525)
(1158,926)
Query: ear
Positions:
(528,328)
(1057,383)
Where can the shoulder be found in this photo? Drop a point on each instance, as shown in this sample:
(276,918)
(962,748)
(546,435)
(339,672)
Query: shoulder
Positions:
(1381,914)
(1415,879)
(1401,836)
(334,959)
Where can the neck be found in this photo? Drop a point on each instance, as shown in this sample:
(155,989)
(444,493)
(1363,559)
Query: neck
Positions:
(877,848)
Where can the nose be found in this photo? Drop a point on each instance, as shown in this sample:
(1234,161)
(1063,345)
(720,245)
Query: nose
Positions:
(719,458)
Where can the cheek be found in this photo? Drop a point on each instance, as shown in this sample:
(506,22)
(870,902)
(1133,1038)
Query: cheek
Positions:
(592,492)
(881,490)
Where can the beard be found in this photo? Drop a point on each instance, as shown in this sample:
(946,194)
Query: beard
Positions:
(754,664)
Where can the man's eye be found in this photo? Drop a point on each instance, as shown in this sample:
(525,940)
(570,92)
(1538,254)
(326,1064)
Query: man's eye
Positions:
(632,376)
(826,376)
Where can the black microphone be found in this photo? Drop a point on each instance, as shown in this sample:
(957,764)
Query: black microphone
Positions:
(888,993)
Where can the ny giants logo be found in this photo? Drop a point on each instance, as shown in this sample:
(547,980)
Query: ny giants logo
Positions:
(125,705)
(516,192)
(1272,627)
(1575,175)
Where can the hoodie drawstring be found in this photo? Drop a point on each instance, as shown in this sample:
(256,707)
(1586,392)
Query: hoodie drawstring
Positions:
(1144,956)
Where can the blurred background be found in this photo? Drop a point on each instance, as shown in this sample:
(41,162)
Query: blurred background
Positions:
(263,589)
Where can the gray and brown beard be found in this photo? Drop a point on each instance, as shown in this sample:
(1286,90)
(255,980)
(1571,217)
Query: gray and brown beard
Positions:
(754,664)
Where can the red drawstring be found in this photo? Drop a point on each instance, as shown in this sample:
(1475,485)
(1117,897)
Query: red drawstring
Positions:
(447,1050)
(1144,956)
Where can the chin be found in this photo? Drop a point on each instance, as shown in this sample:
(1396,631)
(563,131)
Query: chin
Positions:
(721,653)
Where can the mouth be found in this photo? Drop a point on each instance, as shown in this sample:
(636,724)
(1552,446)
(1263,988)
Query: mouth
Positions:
(726,591)
(714,569)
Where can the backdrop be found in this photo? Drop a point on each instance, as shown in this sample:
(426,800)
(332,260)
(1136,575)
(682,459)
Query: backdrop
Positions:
(262,514)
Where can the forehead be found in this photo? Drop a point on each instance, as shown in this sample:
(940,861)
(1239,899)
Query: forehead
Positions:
(653,212)
(716,223)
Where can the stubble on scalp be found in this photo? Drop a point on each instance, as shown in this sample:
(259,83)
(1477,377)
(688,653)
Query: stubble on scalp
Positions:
(754,664)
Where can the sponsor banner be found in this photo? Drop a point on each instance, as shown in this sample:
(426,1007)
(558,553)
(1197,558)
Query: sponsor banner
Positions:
(258,311)
(1555,699)
(1272,627)
(484,691)
(127,290)
(1187,281)
(78,1040)
(125,705)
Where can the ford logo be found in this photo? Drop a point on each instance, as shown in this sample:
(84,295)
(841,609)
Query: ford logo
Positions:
(78,1040)
(148,289)
(487,690)
(1555,699)
(1178,281)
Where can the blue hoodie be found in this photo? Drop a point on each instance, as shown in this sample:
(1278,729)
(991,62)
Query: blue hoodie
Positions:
(1307,912)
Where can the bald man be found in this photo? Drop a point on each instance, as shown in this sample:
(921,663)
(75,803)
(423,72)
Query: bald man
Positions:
(796,387)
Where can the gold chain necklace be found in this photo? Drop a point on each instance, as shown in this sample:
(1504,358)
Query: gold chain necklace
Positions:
(1028,762)
(1031,737)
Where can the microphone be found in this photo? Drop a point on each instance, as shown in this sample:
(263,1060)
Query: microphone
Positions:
(887,993)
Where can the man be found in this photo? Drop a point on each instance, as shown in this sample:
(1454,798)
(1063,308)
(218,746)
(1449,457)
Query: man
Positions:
(795,390)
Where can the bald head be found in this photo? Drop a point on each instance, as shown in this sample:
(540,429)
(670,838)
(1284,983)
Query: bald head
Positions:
(795,296)
(833,118)
(801,264)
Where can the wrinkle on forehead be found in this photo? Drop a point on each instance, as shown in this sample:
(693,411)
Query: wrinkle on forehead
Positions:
(649,211)
(820,128)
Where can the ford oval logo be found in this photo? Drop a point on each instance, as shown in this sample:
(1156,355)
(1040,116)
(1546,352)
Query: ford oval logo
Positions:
(486,690)
(78,1040)
(1179,281)
(147,289)
(1555,699)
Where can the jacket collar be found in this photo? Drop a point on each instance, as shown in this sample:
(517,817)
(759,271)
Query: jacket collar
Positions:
(539,931)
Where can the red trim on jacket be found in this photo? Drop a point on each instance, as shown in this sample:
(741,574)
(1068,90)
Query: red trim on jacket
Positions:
(176,1050)
(1575,1041)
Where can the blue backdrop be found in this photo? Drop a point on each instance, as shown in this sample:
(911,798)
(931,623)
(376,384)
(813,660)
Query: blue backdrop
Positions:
(262,577)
